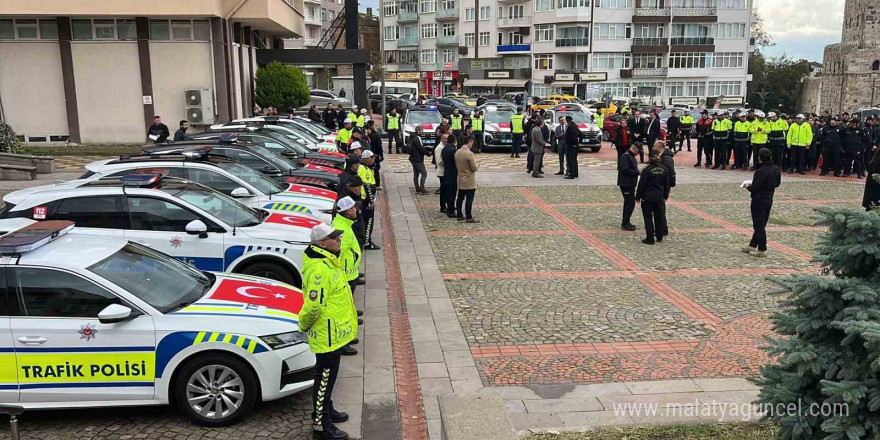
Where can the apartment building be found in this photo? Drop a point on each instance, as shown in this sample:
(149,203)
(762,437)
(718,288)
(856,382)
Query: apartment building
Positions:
(98,71)
(318,14)
(664,51)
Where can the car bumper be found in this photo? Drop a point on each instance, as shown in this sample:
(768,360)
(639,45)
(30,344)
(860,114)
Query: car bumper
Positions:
(286,371)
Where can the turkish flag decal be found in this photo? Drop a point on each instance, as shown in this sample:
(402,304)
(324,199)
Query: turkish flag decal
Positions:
(312,191)
(504,125)
(262,294)
(293,220)
(316,167)
(582,125)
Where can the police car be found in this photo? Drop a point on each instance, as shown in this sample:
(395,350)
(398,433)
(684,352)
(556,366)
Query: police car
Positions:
(591,136)
(496,125)
(278,143)
(426,117)
(228,177)
(324,138)
(178,217)
(90,321)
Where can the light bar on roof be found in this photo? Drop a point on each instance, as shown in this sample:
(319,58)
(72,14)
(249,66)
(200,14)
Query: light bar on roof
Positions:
(228,139)
(140,179)
(197,152)
(33,236)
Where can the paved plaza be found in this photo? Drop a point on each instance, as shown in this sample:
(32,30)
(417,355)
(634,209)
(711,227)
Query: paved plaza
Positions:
(546,304)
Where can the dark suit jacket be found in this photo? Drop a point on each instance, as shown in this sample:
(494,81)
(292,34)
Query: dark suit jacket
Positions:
(627,171)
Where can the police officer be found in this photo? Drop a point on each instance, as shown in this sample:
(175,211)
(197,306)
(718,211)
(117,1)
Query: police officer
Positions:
(759,129)
(517,129)
(764,183)
(818,141)
(599,120)
(852,148)
(673,129)
(456,121)
(344,135)
(741,133)
(477,124)
(346,218)
(362,119)
(365,171)
(353,114)
(832,144)
(777,136)
(704,141)
(687,127)
(393,127)
(627,179)
(800,135)
(328,316)
(721,129)
(652,192)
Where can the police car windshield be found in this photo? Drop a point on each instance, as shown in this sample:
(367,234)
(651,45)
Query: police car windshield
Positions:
(575,116)
(157,279)
(423,117)
(276,160)
(498,116)
(225,208)
(263,184)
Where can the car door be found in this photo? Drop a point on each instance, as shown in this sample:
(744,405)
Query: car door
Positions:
(214,180)
(64,353)
(97,215)
(160,224)
(8,365)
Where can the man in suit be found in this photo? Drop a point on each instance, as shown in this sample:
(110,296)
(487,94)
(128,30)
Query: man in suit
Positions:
(637,129)
(652,129)
(572,145)
(536,148)
(559,135)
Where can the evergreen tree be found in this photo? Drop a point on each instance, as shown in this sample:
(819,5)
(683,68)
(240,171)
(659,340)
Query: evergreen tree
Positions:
(281,86)
(829,350)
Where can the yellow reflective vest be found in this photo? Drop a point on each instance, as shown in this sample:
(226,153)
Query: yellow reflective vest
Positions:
(366,174)
(516,124)
(760,130)
(778,130)
(456,122)
(721,129)
(393,121)
(477,123)
(343,135)
(800,135)
(350,254)
(741,130)
(328,313)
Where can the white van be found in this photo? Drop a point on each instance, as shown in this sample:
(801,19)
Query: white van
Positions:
(394,88)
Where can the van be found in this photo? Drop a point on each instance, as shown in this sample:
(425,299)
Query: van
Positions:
(394,88)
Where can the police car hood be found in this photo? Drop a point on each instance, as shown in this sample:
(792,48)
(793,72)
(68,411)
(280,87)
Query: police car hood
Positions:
(242,305)
(286,226)
(16,197)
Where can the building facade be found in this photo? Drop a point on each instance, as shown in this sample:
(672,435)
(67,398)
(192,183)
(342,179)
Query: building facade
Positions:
(97,72)
(851,68)
(662,51)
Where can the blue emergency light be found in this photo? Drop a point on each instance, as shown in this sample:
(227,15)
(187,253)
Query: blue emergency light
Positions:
(228,139)
(33,236)
(141,179)
(196,152)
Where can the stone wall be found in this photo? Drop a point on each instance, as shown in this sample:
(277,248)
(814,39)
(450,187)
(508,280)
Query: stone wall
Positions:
(849,77)
(808,97)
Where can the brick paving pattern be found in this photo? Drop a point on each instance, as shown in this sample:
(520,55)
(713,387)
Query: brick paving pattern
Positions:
(569,298)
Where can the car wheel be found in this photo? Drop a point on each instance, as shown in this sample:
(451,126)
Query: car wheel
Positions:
(216,389)
(271,271)
(606,136)
(595,149)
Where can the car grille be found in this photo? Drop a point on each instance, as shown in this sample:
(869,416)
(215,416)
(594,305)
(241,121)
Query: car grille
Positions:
(502,135)
(590,134)
(289,377)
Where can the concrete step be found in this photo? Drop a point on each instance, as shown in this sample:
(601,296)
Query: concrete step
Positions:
(475,416)
(17,172)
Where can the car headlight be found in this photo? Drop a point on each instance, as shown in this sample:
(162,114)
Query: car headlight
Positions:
(283,340)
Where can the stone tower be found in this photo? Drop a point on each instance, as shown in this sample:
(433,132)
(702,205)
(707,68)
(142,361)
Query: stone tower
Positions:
(852,67)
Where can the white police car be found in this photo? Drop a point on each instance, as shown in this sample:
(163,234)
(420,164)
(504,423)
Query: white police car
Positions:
(324,138)
(178,217)
(591,135)
(496,126)
(426,117)
(229,178)
(90,321)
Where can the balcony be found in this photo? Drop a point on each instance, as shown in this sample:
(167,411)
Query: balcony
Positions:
(408,41)
(513,49)
(407,16)
(650,72)
(313,21)
(694,12)
(317,2)
(504,22)
(447,40)
(651,12)
(692,41)
(512,1)
(572,42)
(447,14)
(407,67)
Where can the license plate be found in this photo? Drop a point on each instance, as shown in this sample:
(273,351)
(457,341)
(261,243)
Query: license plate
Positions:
(429,141)
(506,141)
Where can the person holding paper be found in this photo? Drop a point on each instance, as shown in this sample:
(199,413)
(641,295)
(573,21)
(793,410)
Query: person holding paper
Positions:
(158,132)
(762,186)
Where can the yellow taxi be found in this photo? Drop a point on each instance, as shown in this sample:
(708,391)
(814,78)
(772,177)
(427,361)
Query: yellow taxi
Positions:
(546,104)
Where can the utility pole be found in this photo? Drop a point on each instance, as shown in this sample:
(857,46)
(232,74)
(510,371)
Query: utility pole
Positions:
(382,56)
(352,41)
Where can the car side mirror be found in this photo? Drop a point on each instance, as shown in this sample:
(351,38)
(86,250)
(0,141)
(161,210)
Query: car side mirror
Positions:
(269,169)
(114,313)
(288,153)
(239,192)
(197,227)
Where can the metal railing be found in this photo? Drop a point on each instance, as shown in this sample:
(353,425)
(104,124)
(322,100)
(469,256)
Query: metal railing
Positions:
(408,41)
(407,16)
(572,42)
(447,14)
(691,41)
(652,12)
(447,40)
(506,48)
(694,12)
(649,72)
(514,21)
(653,41)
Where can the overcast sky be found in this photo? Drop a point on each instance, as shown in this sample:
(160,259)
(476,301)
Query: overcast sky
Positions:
(801,28)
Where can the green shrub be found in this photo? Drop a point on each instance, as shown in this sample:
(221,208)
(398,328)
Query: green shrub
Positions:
(9,142)
(281,86)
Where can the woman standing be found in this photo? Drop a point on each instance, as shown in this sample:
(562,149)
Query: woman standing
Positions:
(764,183)
(314,115)
(652,192)
(872,184)
(621,139)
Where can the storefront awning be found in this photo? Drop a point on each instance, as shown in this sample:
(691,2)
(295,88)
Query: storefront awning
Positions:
(563,83)
(512,82)
(480,82)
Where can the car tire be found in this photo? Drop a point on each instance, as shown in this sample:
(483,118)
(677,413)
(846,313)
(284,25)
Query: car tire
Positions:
(272,271)
(595,149)
(190,387)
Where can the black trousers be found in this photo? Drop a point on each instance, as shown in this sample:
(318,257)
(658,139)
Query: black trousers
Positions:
(852,161)
(778,148)
(517,143)
(376,167)
(721,156)
(369,215)
(530,160)
(326,369)
(798,158)
(685,136)
(466,197)
(756,148)
(560,149)
(760,209)
(394,136)
(704,144)
(629,204)
(571,160)
(447,196)
(831,160)
(478,141)
(813,156)
(739,153)
(655,220)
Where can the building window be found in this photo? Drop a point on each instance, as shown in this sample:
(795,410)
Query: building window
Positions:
(732,4)
(323,14)
(675,89)
(469,39)
(449,30)
(570,36)
(428,56)
(512,38)
(727,31)
(693,3)
(539,89)
(392,33)
(611,61)
(391,57)
(875,65)
(103,29)
(612,31)
(544,62)
(727,59)
(469,14)
(485,12)
(28,29)
(646,89)
(389,8)
(429,30)
(687,60)
(332,15)
(410,32)
(694,88)
(691,34)
(485,38)
(313,33)
(725,88)
(615,90)
(179,30)
(408,57)
(614,4)
(544,5)
(544,32)
(428,6)
(448,4)
(573,4)
(516,11)
(449,55)
(650,31)
(647,61)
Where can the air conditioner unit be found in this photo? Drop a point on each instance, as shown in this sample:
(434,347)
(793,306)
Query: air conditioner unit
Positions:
(462,50)
(199,106)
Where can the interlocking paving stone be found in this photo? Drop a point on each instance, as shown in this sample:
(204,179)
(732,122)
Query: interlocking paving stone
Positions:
(801,240)
(516,253)
(578,194)
(535,311)
(710,192)
(781,214)
(814,190)
(493,219)
(730,296)
(594,218)
(696,251)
